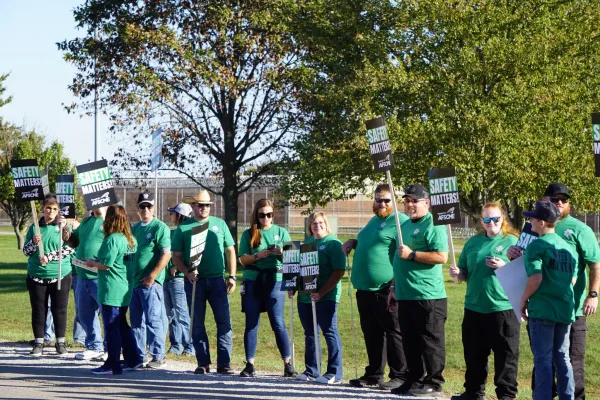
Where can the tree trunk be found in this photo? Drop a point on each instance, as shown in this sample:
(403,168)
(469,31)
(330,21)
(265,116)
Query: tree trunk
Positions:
(20,237)
(230,203)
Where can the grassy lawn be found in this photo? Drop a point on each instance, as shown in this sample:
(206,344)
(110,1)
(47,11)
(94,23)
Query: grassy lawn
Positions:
(15,321)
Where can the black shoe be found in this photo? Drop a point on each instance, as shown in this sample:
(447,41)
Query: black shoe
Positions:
(202,370)
(225,370)
(364,381)
(391,384)
(289,371)
(426,390)
(61,349)
(38,350)
(467,396)
(248,371)
(404,389)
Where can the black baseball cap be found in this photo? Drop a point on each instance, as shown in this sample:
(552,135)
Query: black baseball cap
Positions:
(556,188)
(417,192)
(544,210)
(145,198)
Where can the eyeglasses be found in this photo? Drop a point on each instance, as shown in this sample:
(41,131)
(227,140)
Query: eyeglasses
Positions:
(556,199)
(145,206)
(201,205)
(488,220)
(265,215)
(386,201)
(411,201)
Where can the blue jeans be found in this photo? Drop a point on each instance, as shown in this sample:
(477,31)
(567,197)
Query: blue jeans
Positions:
(178,316)
(274,302)
(49,327)
(327,322)
(88,309)
(550,345)
(147,314)
(213,290)
(119,336)
(78,331)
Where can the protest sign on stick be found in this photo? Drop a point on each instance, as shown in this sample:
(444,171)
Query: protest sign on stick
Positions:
(445,206)
(309,273)
(197,245)
(65,196)
(96,184)
(289,281)
(381,155)
(29,186)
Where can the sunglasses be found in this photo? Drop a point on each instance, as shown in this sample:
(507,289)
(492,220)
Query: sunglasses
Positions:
(202,205)
(386,201)
(556,199)
(265,215)
(143,207)
(487,220)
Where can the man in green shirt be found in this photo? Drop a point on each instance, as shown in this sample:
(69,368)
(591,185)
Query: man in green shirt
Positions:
(372,276)
(583,239)
(210,285)
(147,308)
(421,296)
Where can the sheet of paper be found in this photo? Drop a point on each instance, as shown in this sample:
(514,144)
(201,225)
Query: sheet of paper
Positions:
(513,279)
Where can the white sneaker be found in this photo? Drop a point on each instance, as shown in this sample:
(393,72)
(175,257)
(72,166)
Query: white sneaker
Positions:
(304,377)
(88,355)
(327,381)
(101,358)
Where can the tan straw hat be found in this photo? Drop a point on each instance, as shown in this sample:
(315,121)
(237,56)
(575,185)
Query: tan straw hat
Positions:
(203,197)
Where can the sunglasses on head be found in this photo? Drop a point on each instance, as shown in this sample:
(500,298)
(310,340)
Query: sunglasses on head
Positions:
(487,220)
(556,199)
(265,215)
(144,206)
(386,201)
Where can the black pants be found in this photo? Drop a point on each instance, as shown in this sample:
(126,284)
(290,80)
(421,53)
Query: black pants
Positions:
(422,325)
(381,330)
(482,333)
(577,337)
(38,297)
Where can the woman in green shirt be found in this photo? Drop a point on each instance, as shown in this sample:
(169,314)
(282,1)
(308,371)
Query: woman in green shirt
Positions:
(489,323)
(332,266)
(42,277)
(260,254)
(115,272)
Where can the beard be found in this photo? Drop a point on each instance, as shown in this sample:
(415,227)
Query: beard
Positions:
(566,212)
(386,212)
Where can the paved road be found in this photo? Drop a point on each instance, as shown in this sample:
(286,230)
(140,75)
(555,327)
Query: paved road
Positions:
(54,377)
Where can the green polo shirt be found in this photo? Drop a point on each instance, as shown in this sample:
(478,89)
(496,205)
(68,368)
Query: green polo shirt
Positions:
(115,285)
(90,234)
(556,260)
(170,265)
(50,236)
(374,253)
(151,239)
(484,292)
(218,238)
(415,280)
(274,235)
(331,258)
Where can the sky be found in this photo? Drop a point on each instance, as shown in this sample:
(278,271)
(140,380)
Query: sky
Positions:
(39,77)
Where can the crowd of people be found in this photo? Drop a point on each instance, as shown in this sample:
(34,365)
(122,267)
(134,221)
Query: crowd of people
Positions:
(400,292)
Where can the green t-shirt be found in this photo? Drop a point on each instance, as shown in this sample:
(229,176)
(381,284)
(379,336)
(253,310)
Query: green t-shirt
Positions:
(583,239)
(274,235)
(151,240)
(170,265)
(90,234)
(374,253)
(331,258)
(556,260)
(50,236)
(415,280)
(484,292)
(115,285)
(218,238)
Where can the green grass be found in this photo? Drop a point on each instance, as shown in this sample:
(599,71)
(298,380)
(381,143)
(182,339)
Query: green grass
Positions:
(15,314)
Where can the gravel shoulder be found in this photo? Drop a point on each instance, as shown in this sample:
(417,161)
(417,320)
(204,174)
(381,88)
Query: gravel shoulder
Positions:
(54,377)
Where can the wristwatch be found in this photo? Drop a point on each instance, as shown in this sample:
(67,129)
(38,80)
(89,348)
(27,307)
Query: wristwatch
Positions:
(412,256)
(593,294)
(255,256)
(232,277)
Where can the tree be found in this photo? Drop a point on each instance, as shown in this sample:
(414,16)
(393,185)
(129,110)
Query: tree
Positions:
(501,90)
(2,90)
(215,75)
(18,143)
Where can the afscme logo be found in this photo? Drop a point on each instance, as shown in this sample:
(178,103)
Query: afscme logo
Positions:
(312,285)
(386,162)
(65,211)
(105,198)
(31,194)
(446,215)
